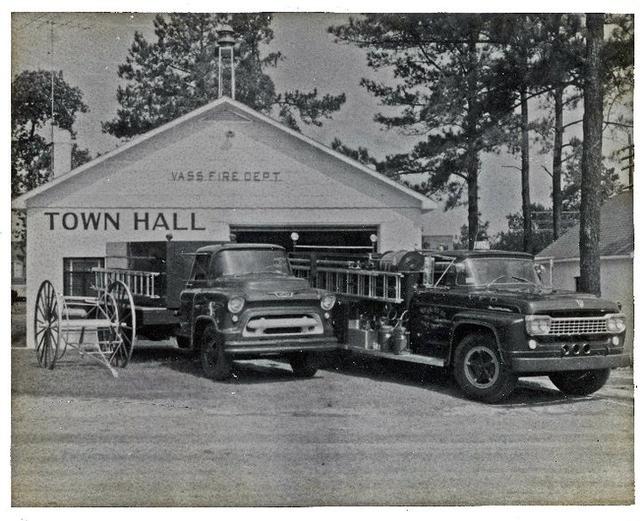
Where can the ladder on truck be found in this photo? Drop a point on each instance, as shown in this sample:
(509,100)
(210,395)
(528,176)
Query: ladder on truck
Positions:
(140,283)
(346,278)
(360,280)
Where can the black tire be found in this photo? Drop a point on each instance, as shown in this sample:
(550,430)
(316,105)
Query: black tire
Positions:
(580,383)
(304,365)
(479,370)
(215,363)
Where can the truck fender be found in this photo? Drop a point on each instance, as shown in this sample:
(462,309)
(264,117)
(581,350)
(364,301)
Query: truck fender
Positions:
(199,324)
(463,326)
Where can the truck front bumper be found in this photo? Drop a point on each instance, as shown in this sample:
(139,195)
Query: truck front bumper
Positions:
(524,365)
(278,346)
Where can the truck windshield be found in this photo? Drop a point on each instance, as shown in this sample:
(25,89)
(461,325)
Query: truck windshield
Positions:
(244,262)
(497,270)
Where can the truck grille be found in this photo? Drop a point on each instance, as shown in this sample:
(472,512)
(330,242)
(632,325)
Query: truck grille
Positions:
(283,325)
(578,326)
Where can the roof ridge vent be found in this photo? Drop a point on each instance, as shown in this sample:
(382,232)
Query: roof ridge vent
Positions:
(225,115)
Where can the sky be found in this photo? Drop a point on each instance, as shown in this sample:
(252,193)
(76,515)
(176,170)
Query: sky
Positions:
(88,47)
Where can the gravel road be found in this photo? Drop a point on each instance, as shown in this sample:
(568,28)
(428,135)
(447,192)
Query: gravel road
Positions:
(162,434)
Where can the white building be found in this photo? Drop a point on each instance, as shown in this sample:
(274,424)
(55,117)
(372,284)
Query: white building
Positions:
(218,171)
(562,257)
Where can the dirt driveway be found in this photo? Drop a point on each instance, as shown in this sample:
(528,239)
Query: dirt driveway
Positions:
(162,434)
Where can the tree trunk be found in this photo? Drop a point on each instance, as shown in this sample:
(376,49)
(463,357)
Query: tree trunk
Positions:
(527,234)
(472,188)
(558,136)
(473,117)
(591,158)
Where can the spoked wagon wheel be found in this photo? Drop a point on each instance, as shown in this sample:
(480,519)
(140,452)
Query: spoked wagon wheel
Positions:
(64,332)
(127,317)
(47,325)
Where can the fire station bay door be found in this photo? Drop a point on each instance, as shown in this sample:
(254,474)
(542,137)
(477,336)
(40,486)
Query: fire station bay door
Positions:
(315,238)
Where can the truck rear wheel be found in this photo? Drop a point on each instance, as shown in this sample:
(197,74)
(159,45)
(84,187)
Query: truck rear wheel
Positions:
(580,383)
(479,370)
(215,363)
(303,364)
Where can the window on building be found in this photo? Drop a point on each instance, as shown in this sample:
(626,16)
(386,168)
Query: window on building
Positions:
(78,277)
(577,279)
(17,271)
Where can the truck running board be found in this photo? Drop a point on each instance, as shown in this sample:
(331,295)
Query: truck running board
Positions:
(408,357)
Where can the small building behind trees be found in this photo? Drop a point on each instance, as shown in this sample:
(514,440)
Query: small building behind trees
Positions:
(562,257)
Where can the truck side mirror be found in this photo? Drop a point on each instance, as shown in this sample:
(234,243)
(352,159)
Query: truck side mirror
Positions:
(428,270)
(540,272)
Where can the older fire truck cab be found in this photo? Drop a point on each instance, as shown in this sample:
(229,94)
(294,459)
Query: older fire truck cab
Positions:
(242,301)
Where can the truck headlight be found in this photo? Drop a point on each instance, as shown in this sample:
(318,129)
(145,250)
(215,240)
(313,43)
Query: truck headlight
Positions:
(537,324)
(615,323)
(327,301)
(235,304)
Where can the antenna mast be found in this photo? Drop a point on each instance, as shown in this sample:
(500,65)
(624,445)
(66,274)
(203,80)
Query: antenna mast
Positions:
(52,94)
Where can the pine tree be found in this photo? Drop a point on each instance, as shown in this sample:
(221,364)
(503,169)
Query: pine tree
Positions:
(178,73)
(439,93)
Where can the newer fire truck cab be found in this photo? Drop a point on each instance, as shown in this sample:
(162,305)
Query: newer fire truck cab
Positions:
(483,314)
(491,320)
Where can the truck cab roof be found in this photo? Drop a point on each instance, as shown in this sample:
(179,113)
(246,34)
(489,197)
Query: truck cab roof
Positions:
(213,248)
(466,254)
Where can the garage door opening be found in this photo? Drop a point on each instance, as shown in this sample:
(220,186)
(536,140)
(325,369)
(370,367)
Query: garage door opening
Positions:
(354,238)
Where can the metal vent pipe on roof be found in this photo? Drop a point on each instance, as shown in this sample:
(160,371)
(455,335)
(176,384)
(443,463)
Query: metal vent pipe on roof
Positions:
(226,42)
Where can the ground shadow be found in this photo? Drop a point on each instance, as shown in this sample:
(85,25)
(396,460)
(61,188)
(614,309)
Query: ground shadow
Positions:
(526,394)
(250,372)
(243,372)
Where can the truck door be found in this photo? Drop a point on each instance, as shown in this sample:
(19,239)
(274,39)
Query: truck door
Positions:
(430,317)
(197,279)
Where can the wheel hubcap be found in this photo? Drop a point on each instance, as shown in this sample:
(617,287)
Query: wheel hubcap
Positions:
(481,367)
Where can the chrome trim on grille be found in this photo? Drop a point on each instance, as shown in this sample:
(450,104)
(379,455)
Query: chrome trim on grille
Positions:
(283,325)
(567,326)
(578,326)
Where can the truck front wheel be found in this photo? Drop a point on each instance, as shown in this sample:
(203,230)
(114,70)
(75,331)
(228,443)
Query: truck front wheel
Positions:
(215,363)
(580,383)
(303,364)
(479,371)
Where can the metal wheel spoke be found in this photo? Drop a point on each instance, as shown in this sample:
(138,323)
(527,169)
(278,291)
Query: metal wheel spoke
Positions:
(40,348)
(45,349)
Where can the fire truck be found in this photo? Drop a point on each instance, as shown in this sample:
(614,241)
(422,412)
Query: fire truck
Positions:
(484,315)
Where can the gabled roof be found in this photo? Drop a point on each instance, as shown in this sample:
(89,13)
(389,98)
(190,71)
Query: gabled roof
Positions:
(616,232)
(223,106)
